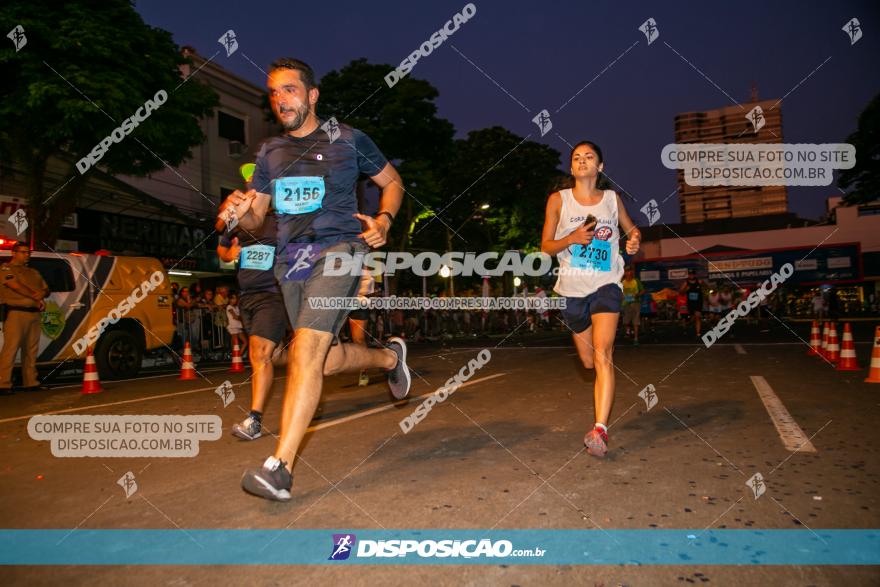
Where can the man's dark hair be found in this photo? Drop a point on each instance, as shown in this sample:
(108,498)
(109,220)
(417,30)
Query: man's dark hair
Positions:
(19,244)
(306,74)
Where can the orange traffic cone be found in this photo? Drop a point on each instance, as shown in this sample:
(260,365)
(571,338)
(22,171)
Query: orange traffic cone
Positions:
(833,346)
(848,360)
(823,349)
(187,369)
(874,371)
(237,363)
(91,382)
(815,340)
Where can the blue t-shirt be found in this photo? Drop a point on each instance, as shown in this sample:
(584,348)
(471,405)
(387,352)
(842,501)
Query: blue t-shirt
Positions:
(258,244)
(316,165)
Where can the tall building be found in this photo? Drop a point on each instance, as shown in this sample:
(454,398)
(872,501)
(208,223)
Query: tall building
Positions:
(730,124)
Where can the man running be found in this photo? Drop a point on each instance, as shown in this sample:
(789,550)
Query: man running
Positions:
(262,309)
(308,176)
(582,228)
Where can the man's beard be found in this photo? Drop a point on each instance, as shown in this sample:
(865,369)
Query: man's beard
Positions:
(301,115)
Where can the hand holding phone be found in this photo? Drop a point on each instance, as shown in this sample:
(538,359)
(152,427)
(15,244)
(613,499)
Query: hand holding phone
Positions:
(590,220)
(583,235)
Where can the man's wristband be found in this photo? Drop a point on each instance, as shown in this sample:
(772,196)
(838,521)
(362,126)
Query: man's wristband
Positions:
(388,214)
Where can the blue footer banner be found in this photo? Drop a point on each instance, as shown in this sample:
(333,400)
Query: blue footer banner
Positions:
(439,547)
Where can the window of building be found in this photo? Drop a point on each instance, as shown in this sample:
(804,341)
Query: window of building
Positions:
(230,127)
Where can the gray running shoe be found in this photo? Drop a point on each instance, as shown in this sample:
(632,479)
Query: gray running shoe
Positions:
(272,481)
(250,429)
(399,380)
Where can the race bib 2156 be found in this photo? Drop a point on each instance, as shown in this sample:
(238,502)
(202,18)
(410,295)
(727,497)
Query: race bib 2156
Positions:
(298,195)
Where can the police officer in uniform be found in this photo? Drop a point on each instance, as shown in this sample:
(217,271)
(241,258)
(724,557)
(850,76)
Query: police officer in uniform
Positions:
(22,289)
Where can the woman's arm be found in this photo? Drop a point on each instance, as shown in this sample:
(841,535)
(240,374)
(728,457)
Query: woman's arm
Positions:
(632,232)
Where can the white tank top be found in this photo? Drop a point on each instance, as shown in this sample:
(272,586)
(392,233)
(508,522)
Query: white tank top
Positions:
(584,269)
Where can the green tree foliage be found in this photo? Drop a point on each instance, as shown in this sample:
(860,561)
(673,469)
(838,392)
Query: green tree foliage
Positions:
(86,67)
(512,175)
(404,124)
(864,178)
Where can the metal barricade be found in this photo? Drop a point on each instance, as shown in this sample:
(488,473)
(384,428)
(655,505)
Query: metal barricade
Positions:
(204,331)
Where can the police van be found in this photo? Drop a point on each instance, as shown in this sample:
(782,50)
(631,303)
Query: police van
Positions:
(119,306)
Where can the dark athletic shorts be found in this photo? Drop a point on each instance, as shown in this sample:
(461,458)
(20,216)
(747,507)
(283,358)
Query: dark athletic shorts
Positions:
(359,314)
(317,285)
(263,315)
(578,312)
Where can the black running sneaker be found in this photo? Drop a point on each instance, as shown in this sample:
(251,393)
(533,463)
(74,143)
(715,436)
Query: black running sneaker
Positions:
(271,482)
(399,380)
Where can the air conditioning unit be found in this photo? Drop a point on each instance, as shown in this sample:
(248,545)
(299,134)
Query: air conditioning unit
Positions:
(235,149)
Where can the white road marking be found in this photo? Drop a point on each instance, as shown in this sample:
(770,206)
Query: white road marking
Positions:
(392,405)
(456,350)
(113,381)
(793,437)
(128,401)
(739,349)
(311,429)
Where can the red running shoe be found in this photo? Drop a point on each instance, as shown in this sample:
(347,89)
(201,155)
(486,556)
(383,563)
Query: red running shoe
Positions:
(596,442)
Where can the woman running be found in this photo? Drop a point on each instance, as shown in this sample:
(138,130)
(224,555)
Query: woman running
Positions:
(582,228)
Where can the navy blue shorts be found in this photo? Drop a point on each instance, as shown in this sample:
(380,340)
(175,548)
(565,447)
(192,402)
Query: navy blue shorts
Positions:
(578,312)
(263,315)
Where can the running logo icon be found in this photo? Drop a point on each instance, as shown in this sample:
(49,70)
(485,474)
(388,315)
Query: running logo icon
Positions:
(302,265)
(229,218)
(649,28)
(756,117)
(128,484)
(652,211)
(19,220)
(853,29)
(649,396)
(225,392)
(331,127)
(343,544)
(229,42)
(18,38)
(543,121)
(757,485)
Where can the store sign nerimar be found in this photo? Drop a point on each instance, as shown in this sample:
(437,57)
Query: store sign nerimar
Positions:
(152,238)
